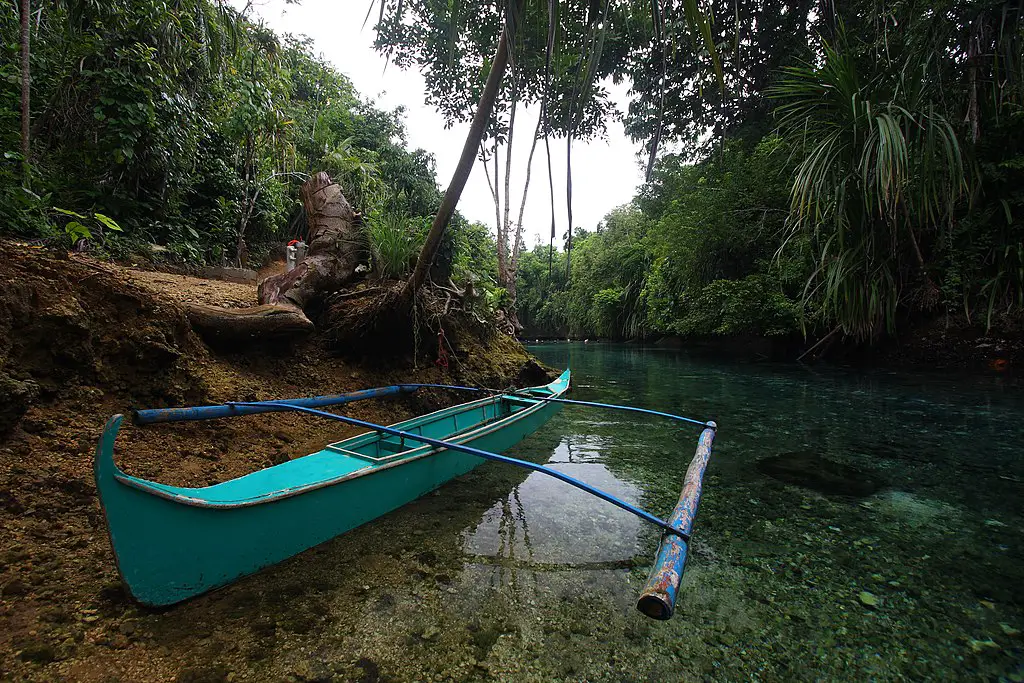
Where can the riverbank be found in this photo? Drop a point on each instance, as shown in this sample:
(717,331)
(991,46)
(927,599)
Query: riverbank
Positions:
(81,340)
(952,342)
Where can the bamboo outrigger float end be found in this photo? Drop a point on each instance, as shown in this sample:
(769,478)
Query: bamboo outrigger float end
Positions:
(658,599)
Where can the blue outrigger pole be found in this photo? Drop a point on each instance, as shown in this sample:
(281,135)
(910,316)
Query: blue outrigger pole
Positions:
(658,598)
(160,415)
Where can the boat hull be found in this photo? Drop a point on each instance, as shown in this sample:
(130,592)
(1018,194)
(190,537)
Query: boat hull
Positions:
(168,551)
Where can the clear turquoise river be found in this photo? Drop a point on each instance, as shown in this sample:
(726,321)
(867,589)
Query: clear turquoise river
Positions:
(856,525)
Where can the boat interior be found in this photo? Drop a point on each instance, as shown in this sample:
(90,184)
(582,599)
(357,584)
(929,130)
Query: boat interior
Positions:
(378,448)
(362,452)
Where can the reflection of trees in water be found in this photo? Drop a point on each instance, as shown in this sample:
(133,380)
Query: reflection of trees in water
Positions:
(578,534)
(536,448)
(513,516)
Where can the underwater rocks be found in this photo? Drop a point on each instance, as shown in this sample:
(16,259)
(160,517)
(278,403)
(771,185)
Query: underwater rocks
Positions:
(868,599)
(812,471)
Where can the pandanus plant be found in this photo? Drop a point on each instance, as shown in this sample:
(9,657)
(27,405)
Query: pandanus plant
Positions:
(881,172)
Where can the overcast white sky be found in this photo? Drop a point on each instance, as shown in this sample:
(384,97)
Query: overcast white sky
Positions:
(605,172)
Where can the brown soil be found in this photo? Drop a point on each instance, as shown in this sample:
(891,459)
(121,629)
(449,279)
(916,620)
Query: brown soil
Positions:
(184,289)
(82,340)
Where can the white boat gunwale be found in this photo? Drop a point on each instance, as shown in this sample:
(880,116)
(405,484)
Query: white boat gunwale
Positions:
(411,455)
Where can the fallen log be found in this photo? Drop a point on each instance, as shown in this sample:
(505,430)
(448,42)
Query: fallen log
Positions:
(232,328)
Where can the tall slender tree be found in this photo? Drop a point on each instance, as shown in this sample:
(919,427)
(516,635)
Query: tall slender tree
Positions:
(464,167)
(559,56)
(26,81)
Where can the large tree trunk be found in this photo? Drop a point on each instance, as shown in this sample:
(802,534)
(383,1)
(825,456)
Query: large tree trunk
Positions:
(26,79)
(334,246)
(287,300)
(462,171)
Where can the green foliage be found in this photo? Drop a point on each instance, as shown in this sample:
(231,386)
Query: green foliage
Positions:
(360,179)
(694,255)
(892,193)
(79,229)
(475,267)
(191,124)
(754,38)
(448,43)
(881,168)
(475,255)
(605,295)
(394,243)
(751,306)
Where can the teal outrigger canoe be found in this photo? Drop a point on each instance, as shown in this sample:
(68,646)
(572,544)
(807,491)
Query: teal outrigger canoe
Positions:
(173,543)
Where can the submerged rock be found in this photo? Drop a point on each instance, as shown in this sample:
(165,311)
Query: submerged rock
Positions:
(812,471)
(868,599)
(917,512)
(979,646)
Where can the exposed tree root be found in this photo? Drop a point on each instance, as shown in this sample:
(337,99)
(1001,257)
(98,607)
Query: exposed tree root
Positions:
(384,321)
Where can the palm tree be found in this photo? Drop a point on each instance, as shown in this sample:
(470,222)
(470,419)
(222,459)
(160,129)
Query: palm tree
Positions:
(880,175)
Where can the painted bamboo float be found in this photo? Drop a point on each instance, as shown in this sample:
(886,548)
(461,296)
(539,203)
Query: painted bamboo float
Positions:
(658,598)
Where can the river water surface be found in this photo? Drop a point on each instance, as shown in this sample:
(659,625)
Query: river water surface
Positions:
(855,526)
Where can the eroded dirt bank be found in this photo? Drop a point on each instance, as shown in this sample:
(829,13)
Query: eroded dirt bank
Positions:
(80,341)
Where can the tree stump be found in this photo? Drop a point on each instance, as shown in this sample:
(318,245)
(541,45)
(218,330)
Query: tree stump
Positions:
(287,300)
(335,244)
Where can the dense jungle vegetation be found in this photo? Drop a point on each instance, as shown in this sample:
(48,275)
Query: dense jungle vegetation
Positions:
(811,168)
(861,171)
(182,131)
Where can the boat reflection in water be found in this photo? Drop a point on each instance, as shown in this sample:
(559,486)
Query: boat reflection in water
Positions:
(545,537)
